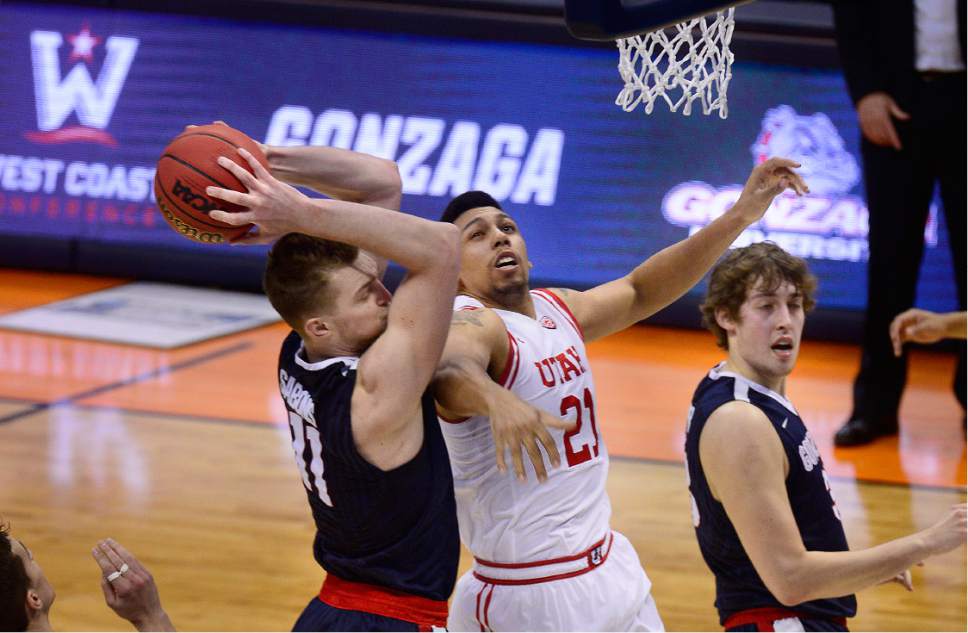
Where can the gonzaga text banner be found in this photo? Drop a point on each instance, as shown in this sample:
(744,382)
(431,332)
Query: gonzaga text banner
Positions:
(92,96)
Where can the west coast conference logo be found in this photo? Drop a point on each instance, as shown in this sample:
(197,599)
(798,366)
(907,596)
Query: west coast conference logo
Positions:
(93,100)
(828,223)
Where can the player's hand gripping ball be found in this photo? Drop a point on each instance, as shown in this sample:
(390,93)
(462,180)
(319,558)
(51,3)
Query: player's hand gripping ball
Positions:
(187,167)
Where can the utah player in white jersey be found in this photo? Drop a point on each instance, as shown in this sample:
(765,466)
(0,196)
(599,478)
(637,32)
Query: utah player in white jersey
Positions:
(515,374)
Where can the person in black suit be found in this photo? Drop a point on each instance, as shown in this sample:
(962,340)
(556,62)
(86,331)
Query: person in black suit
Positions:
(904,62)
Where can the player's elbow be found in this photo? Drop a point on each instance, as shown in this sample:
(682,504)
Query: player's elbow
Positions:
(437,255)
(783,573)
(443,246)
(389,176)
(787,594)
(787,586)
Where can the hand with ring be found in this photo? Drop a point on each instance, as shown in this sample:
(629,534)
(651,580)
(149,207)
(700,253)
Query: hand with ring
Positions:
(117,574)
(129,589)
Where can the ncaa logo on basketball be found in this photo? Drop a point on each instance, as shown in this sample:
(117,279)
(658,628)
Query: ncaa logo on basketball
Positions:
(547,322)
(814,142)
(91,98)
(194,200)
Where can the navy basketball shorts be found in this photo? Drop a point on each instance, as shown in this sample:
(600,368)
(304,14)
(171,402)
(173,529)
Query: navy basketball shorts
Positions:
(319,616)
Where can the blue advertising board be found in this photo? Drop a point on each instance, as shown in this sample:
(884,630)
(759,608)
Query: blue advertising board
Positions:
(91,96)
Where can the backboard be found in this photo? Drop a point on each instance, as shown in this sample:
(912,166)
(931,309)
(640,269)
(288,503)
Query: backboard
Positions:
(608,20)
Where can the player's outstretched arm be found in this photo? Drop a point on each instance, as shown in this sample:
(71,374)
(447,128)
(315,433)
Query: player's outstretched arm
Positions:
(276,208)
(339,173)
(922,326)
(476,350)
(342,174)
(671,272)
(749,480)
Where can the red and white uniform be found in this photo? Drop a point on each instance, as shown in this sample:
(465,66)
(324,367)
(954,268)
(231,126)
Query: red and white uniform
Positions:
(545,557)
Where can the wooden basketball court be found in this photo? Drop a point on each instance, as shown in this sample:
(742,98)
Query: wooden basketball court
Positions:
(184,457)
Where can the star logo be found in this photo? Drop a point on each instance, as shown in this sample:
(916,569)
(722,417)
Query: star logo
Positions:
(91,97)
(83,44)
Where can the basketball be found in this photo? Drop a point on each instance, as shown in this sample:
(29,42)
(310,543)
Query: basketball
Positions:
(187,167)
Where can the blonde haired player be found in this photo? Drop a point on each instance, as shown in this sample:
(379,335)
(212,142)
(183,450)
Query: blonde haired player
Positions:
(513,372)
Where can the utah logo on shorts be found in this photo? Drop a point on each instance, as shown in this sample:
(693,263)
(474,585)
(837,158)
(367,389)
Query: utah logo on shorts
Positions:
(548,323)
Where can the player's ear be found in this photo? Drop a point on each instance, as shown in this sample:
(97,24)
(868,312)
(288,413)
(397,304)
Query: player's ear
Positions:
(725,321)
(317,327)
(33,601)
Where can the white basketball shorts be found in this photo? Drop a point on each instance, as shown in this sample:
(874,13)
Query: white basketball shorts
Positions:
(603,589)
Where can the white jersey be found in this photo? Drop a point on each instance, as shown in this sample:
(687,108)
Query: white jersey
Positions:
(503,519)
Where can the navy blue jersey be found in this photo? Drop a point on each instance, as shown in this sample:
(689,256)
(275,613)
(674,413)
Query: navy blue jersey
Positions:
(738,586)
(397,528)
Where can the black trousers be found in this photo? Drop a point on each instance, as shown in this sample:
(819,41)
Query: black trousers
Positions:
(900,185)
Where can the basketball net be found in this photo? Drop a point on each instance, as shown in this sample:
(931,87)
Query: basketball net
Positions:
(679,64)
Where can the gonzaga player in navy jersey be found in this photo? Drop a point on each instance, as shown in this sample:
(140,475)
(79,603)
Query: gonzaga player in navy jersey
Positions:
(353,375)
(767,525)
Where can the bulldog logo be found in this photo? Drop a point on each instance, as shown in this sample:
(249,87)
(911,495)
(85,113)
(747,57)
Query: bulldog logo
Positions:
(814,142)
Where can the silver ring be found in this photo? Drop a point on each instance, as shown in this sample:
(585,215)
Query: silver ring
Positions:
(117,574)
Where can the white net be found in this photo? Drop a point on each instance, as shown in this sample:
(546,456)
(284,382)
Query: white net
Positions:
(680,64)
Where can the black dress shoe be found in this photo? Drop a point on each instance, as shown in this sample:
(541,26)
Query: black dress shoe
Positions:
(858,431)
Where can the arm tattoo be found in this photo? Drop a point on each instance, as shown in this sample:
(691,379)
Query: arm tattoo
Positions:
(466,317)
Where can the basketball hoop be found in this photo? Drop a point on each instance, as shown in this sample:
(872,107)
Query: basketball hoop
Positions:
(680,64)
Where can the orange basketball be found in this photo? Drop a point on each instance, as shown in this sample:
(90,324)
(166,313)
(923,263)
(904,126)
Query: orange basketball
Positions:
(187,167)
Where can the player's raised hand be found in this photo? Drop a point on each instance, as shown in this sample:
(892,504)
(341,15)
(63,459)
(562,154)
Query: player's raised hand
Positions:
(768,180)
(129,589)
(274,207)
(218,122)
(919,326)
(516,424)
(262,146)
